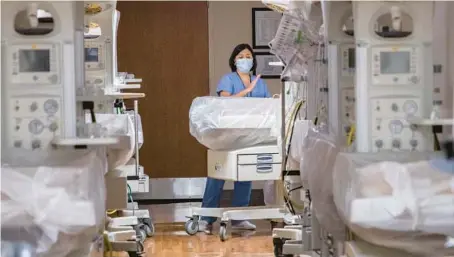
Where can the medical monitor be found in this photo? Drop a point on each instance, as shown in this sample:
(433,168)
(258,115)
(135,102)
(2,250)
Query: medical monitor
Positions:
(91,54)
(94,56)
(351,58)
(35,63)
(396,65)
(394,62)
(31,60)
(348,60)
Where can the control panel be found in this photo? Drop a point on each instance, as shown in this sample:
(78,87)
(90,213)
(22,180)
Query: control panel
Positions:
(95,81)
(94,56)
(347,108)
(36,121)
(393,90)
(347,87)
(390,130)
(33,95)
(40,68)
(396,66)
(34,64)
(348,63)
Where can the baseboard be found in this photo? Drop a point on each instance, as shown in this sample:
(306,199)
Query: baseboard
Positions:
(226,199)
(182,188)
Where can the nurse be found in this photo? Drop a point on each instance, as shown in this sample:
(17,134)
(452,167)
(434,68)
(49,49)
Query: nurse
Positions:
(238,83)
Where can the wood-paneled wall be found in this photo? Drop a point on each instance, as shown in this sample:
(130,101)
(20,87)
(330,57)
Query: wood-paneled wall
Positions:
(166,44)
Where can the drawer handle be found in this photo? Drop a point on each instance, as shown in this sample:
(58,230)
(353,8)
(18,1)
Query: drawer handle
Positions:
(264,168)
(264,158)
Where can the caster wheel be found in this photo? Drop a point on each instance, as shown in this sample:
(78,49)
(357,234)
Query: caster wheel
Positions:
(134,254)
(149,230)
(277,245)
(192,227)
(223,232)
(139,252)
(141,234)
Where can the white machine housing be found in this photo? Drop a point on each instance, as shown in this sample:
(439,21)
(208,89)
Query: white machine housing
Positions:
(341,66)
(247,164)
(39,81)
(101,54)
(386,98)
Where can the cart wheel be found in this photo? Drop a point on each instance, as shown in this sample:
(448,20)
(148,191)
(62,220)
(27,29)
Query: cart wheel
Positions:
(149,229)
(277,245)
(134,254)
(192,227)
(223,232)
(141,234)
(139,252)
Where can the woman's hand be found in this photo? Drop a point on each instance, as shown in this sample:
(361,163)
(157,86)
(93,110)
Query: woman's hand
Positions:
(252,85)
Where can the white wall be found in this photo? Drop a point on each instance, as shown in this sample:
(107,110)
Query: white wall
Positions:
(230,23)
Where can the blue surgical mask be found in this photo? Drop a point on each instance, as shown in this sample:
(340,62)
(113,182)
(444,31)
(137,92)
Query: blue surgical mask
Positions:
(244,64)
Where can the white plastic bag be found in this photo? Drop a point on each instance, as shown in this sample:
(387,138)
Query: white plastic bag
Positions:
(396,199)
(230,123)
(317,163)
(55,201)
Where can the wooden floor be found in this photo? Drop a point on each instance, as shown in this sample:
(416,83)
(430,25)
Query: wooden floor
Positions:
(172,241)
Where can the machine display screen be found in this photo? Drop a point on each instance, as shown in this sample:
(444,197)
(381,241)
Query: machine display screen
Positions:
(351,58)
(34,60)
(91,54)
(394,62)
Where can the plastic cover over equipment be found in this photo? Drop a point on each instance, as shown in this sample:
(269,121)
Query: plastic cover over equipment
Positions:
(231,123)
(54,201)
(396,199)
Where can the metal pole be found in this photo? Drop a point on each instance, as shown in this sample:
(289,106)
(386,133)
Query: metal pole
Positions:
(284,150)
(136,134)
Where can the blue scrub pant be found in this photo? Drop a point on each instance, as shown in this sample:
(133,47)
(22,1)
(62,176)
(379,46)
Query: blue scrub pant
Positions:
(213,191)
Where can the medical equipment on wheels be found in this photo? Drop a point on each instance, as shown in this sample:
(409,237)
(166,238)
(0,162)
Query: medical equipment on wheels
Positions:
(394,75)
(130,226)
(38,82)
(242,136)
(41,71)
(391,170)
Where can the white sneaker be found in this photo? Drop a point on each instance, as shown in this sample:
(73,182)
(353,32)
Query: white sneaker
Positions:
(205,227)
(243,225)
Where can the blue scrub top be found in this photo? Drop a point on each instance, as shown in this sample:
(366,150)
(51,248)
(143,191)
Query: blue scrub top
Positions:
(232,83)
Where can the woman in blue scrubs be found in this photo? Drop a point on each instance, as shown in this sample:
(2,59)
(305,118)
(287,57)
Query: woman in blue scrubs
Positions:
(239,83)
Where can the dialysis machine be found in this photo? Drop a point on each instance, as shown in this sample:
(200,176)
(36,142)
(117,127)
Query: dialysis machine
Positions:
(341,65)
(101,21)
(394,75)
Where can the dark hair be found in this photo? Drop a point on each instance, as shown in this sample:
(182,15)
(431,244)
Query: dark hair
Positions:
(236,51)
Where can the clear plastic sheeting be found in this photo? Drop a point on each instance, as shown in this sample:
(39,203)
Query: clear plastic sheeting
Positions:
(317,163)
(230,123)
(53,204)
(300,132)
(122,126)
(288,5)
(292,40)
(397,200)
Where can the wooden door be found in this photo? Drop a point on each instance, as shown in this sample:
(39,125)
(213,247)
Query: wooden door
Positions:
(166,44)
